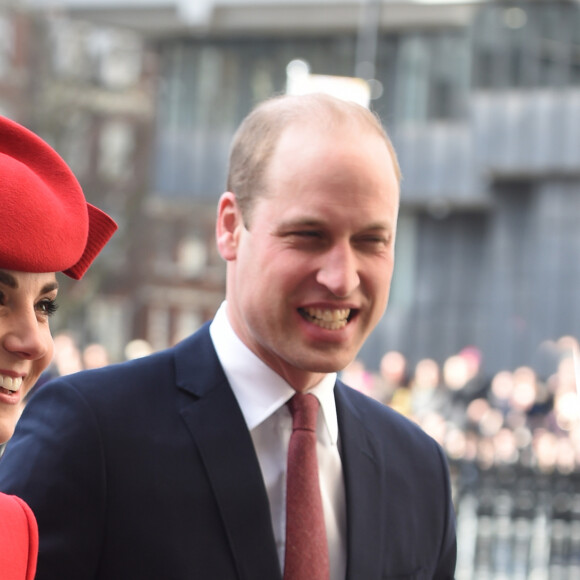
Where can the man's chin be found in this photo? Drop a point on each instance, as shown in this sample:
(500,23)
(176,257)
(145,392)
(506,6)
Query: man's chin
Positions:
(328,364)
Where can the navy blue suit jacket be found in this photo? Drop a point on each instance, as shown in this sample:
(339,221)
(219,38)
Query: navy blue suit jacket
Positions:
(146,470)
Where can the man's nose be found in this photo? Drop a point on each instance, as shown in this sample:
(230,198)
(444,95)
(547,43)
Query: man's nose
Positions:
(338,270)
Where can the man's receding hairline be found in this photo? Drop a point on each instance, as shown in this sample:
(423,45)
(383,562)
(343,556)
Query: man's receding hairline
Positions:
(334,112)
(259,135)
(304,107)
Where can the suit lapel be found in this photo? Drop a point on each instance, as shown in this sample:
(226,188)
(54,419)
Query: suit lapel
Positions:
(365,528)
(217,425)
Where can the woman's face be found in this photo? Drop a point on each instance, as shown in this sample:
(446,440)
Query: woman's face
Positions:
(27,301)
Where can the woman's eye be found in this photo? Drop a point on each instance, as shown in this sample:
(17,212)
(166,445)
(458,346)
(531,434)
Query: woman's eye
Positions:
(47,306)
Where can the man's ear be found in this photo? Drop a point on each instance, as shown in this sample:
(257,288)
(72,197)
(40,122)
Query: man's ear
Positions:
(228,226)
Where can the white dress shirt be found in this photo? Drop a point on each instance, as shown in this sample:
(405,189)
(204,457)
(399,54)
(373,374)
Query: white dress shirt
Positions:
(262,395)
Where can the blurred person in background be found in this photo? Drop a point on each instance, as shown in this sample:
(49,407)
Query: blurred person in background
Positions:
(137,348)
(95,356)
(47,227)
(464,380)
(501,390)
(174,465)
(455,374)
(392,376)
(529,398)
(427,392)
(477,385)
(358,377)
(394,372)
(65,360)
(67,355)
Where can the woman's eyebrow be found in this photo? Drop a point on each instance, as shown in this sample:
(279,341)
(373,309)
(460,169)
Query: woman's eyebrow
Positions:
(8,280)
(49,287)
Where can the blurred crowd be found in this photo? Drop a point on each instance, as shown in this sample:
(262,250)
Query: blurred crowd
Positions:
(70,357)
(512,439)
(517,417)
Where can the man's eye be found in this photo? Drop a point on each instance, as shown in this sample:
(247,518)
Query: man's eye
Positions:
(306,234)
(303,236)
(373,242)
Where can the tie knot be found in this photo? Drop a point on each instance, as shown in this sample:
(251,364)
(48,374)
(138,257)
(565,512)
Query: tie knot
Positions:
(304,409)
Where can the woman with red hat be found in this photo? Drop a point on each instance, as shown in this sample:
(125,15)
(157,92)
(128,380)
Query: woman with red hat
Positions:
(47,226)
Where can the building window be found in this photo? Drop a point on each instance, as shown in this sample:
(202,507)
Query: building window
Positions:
(526,45)
(117,142)
(192,257)
(6,45)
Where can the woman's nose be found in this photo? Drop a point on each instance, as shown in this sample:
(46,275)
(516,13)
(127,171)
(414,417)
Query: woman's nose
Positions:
(26,336)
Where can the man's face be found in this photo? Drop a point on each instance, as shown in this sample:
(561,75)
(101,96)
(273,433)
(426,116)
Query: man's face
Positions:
(310,278)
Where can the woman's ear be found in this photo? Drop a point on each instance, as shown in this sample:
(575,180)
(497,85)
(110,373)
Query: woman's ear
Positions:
(228,225)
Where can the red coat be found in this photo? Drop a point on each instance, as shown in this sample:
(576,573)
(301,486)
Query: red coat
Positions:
(18,539)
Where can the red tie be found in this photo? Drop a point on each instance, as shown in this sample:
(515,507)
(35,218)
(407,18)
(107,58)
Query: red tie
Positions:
(306,555)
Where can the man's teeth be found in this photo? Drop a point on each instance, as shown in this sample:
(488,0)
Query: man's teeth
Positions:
(327,318)
(9,383)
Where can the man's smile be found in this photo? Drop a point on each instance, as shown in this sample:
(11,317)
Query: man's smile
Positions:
(327,318)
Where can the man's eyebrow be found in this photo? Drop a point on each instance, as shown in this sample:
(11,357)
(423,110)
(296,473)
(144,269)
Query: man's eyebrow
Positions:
(8,280)
(303,221)
(314,222)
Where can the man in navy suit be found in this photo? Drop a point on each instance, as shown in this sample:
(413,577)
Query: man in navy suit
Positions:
(173,466)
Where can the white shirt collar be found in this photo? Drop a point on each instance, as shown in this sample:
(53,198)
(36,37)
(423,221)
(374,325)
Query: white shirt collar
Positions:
(259,390)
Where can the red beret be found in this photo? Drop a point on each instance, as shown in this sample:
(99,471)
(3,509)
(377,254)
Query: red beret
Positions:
(47,224)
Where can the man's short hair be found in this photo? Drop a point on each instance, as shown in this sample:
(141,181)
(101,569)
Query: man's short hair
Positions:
(256,138)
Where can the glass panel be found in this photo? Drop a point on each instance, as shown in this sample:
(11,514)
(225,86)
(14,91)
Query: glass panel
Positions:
(412,79)
(209,87)
(527,45)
